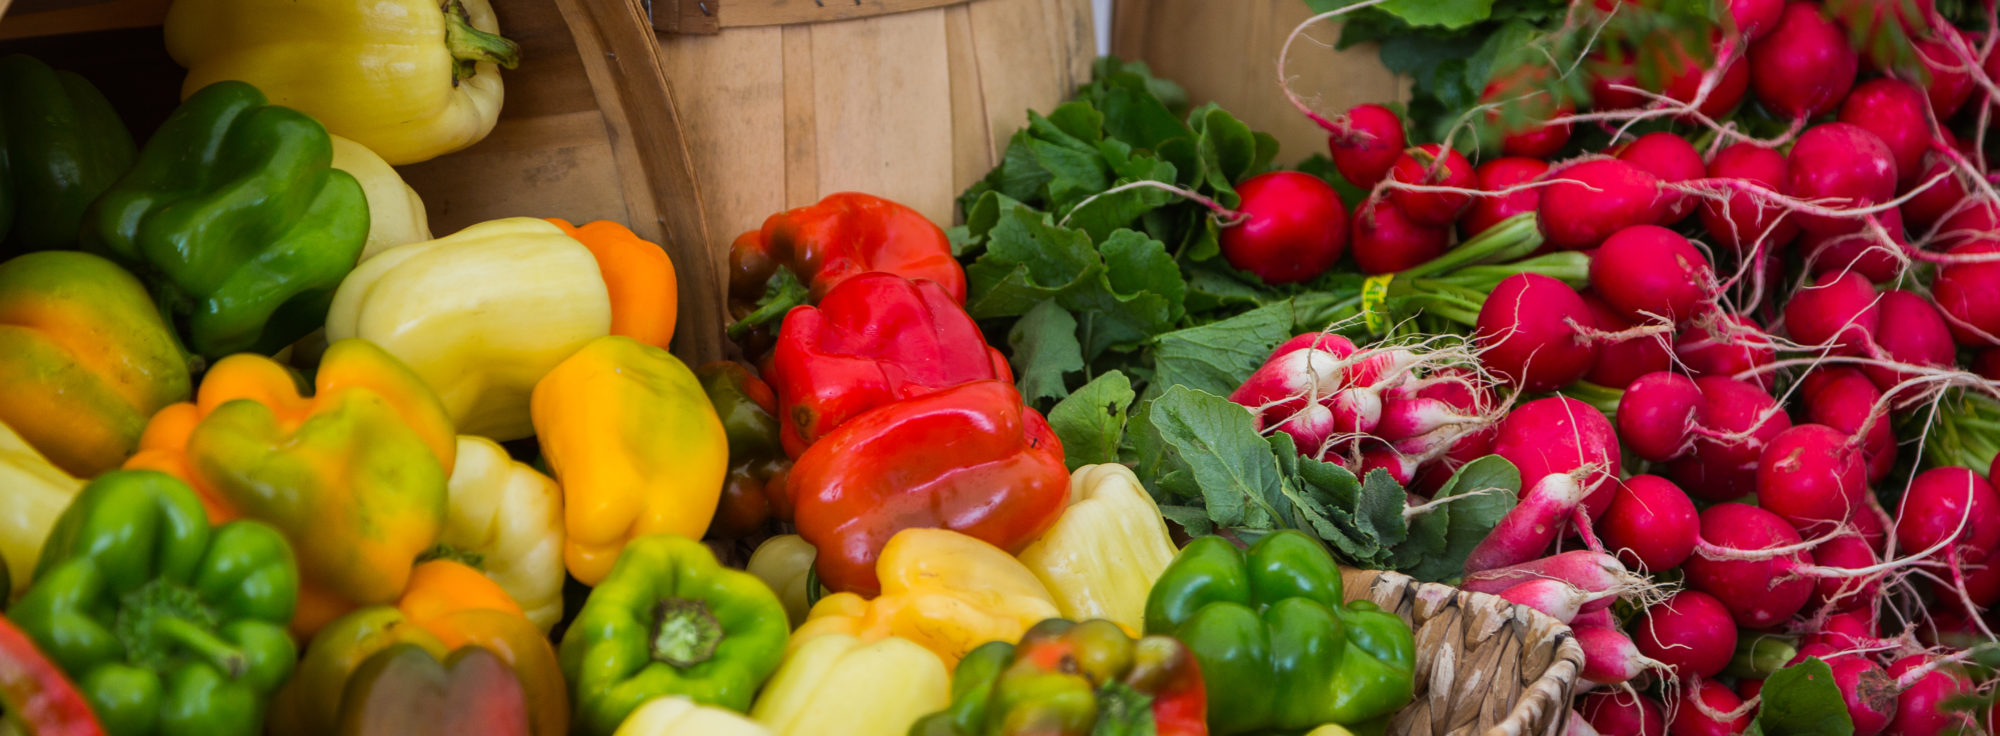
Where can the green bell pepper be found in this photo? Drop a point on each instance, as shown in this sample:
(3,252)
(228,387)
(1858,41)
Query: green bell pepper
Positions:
(236,218)
(1277,648)
(670,620)
(61,145)
(166,624)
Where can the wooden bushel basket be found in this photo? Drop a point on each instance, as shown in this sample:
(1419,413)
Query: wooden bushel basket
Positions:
(1485,667)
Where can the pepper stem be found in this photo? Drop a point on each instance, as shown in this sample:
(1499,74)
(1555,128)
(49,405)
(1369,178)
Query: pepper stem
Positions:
(225,656)
(685,633)
(469,46)
(782,292)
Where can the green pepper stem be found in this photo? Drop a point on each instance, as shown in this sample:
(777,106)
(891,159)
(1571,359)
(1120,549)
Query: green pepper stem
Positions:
(469,46)
(223,655)
(685,633)
(782,292)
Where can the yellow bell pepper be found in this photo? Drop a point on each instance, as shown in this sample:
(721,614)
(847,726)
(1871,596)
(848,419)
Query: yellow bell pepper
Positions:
(354,475)
(409,79)
(635,445)
(395,213)
(944,590)
(481,314)
(506,519)
(37,492)
(784,562)
(678,716)
(839,685)
(1104,552)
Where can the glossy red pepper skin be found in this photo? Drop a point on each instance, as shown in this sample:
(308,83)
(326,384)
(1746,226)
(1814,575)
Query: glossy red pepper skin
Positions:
(875,339)
(34,692)
(843,236)
(970,458)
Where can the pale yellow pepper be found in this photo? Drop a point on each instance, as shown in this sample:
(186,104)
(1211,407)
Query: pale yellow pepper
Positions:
(36,492)
(508,518)
(1104,552)
(944,590)
(636,446)
(409,79)
(481,315)
(840,685)
(784,562)
(395,213)
(678,716)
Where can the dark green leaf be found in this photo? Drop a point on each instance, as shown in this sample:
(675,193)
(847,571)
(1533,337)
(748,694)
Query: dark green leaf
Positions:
(1216,441)
(1803,700)
(1043,349)
(1218,356)
(1091,422)
(1489,487)
(1380,512)
(1192,518)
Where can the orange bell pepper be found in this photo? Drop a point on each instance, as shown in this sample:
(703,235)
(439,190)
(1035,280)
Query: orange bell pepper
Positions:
(640,277)
(354,475)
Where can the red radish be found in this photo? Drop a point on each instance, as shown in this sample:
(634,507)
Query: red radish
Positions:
(1754,18)
(1690,719)
(1595,198)
(1811,477)
(1921,703)
(1838,310)
(1656,416)
(1759,593)
(1528,528)
(1682,79)
(1615,713)
(1848,552)
(1728,92)
(1432,165)
(1610,657)
(1521,92)
(1370,145)
(1841,162)
(1975,221)
(1649,270)
(1949,85)
(1651,524)
(1558,435)
(1601,618)
(1726,346)
(1861,251)
(1560,600)
(1527,333)
(1690,631)
(1870,694)
(1303,391)
(1387,241)
(1842,632)
(1969,293)
(1912,333)
(1672,159)
(1294,227)
(1590,572)
(1621,362)
(1934,203)
(1803,66)
(1734,423)
(1872,523)
(1742,219)
(1894,110)
(1747,688)
(1950,503)
(1844,399)
(1496,175)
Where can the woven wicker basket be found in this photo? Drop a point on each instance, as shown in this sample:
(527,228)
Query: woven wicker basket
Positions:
(1485,667)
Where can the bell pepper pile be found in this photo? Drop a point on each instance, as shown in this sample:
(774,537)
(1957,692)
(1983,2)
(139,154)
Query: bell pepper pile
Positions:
(279,459)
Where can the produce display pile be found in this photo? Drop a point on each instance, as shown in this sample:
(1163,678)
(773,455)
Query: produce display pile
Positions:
(1678,323)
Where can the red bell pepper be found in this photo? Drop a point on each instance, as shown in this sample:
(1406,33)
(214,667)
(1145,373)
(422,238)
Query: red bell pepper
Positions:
(875,339)
(970,458)
(802,254)
(34,695)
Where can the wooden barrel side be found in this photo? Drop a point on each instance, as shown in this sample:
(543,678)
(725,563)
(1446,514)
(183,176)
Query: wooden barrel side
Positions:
(914,106)
(1228,53)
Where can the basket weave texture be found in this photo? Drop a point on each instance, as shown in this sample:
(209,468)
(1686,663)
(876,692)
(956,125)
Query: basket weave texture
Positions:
(1485,667)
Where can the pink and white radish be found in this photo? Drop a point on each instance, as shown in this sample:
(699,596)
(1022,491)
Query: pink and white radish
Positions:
(1610,657)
